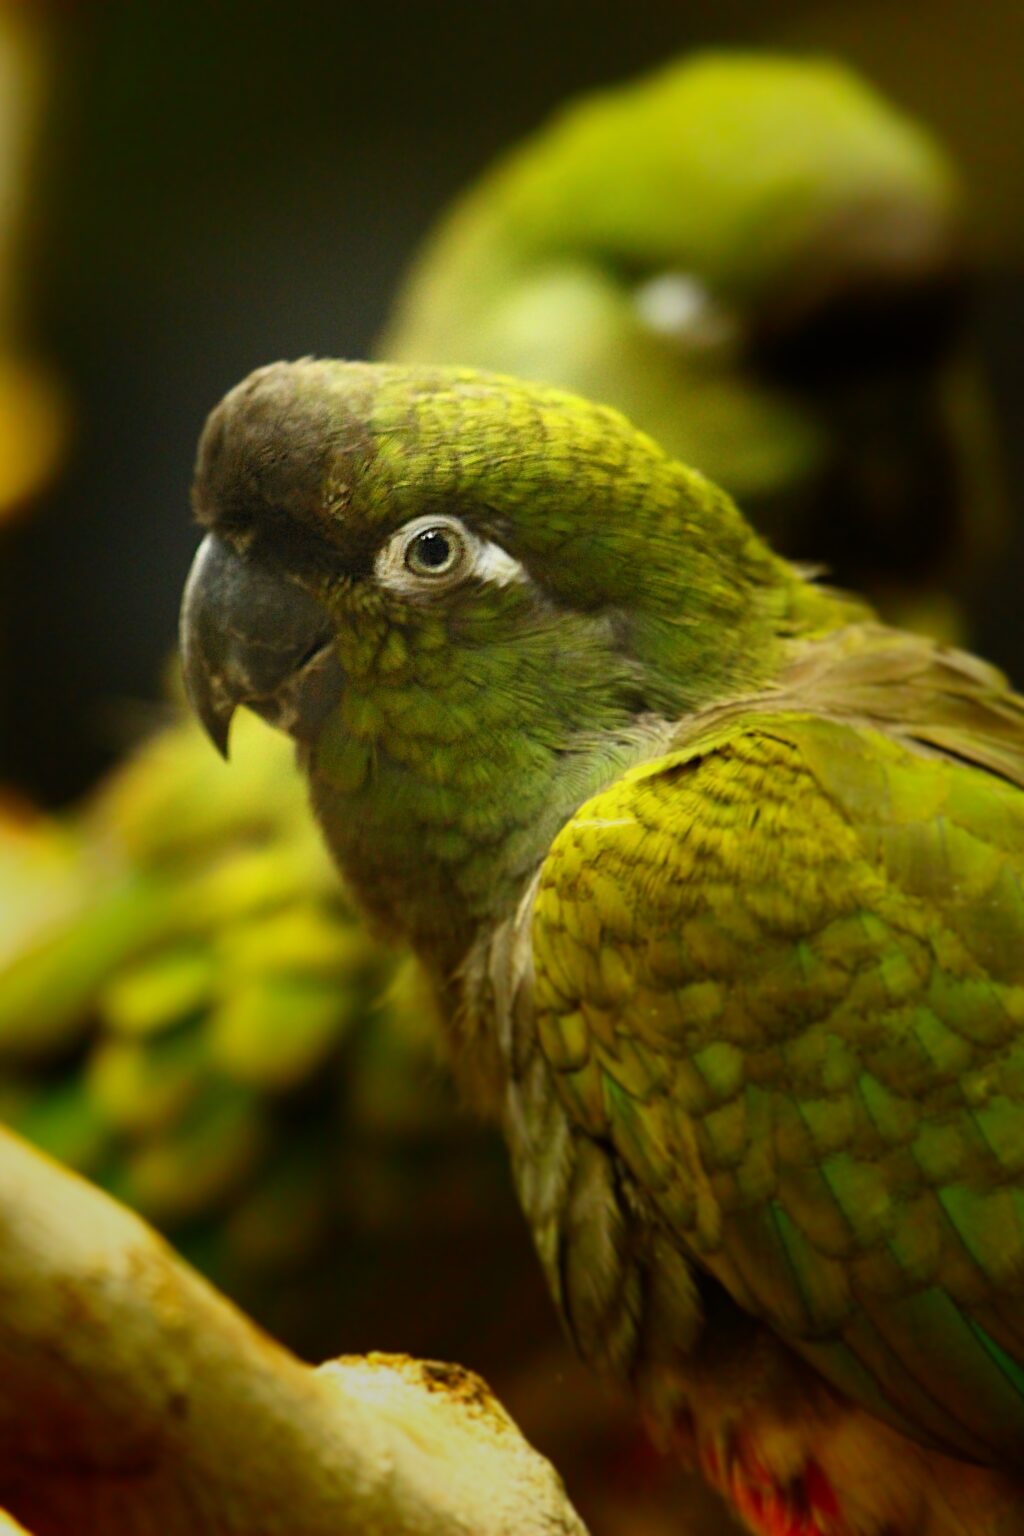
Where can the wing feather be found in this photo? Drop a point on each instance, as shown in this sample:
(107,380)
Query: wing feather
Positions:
(807,1013)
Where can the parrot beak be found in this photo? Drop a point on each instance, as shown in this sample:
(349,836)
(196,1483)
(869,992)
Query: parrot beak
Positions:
(250,635)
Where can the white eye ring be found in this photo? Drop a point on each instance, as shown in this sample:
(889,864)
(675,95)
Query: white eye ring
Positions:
(437,553)
(677,305)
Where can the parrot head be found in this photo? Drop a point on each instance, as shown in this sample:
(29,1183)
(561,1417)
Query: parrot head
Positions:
(471,601)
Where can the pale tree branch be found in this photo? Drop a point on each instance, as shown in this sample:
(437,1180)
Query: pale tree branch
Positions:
(136,1400)
(9,1527)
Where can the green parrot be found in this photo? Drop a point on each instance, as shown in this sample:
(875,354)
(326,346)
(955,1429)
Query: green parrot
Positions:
(718,880)
(812,188)
(189,1011)
(764,264)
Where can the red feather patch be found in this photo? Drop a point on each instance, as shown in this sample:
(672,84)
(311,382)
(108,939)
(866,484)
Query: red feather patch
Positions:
(807,1506)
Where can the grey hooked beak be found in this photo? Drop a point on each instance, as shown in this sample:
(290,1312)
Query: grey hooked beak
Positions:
(249,635)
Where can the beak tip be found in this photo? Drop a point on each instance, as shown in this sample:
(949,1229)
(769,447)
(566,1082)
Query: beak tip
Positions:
(212,706)
(214,714)
(218,731)
(204,684)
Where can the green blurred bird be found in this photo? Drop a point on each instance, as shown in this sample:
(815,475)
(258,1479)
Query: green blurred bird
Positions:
(719,883)
(189,1010)
(764,264)
(188,1004)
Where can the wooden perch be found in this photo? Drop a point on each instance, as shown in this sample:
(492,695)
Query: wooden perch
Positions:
(9,1527)
(135,1400)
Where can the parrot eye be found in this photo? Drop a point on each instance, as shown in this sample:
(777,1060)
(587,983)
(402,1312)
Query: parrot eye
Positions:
(433,552)
(678,306)
(436,553)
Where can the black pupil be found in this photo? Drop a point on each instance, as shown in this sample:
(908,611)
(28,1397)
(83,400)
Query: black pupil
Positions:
(433,549)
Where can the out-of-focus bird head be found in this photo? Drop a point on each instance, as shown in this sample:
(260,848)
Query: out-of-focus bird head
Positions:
(764,264)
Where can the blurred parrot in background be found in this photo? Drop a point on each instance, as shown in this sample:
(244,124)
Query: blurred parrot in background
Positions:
(182,955)
(189,1010)
(718,880)
(765,265)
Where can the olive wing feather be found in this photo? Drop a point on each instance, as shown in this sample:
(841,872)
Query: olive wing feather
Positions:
(781,971)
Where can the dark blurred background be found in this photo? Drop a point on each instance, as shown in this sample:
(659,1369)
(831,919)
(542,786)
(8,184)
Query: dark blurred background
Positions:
(214,185)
